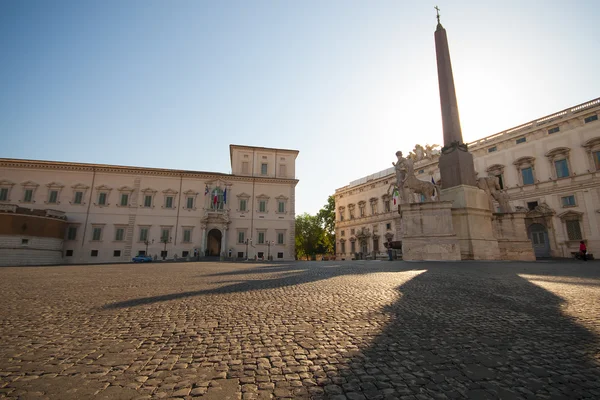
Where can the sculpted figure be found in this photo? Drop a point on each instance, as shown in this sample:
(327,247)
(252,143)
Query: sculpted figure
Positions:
(400,168)
(403,167)
(427,189)
(411,184)
(429,150)
(491,185)
(544,208)
(419,152)
(407,183)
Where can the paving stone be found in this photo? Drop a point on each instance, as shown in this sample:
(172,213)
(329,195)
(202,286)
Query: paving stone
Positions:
(358,328)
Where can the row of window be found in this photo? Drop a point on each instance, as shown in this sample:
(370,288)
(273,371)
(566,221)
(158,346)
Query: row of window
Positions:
(262,205)
(363,249)
(264,169)
(560,166)
(102,196)
(261,236)
(163,253)
(550,131)
(119,232)
(388,227)
(362,207)
(217,199)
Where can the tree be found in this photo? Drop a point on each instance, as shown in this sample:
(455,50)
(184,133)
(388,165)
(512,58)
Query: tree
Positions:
(326,217)
(315,234)
(309,235)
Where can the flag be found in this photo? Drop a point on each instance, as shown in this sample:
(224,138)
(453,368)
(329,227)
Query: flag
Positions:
(396,197)
(215,198)
(206,190)
(225,196)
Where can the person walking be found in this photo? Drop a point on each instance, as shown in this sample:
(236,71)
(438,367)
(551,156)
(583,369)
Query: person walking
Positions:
(583,250)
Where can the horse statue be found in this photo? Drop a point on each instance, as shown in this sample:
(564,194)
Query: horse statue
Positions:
(407,183)
(427,189)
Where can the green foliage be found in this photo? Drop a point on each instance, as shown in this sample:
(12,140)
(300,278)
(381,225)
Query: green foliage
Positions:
(315,234)
(326,215)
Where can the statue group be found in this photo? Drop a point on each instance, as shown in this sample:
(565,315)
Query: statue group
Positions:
(407,183)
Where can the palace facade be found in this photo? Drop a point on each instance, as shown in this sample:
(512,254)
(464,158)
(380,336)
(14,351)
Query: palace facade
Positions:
(549,167)
(61,212)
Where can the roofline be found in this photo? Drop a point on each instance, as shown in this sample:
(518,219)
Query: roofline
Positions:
(241,146)
(106,166)
(16,162)
(546,120)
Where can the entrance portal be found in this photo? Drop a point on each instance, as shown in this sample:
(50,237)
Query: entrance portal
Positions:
(213,245)
(539,238)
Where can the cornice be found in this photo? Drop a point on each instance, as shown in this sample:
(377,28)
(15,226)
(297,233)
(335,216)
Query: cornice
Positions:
(67,166)
(381,217)
(543,188)
(560,117)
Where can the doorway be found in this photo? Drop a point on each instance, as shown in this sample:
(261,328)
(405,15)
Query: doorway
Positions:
(538,234)
(213,245)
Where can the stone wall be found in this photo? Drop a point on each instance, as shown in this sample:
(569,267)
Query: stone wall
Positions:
(510,231)
(19,250)
(30,239)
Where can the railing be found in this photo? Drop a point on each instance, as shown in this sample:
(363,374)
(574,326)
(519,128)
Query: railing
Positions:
(55,214)
(376,175)
(538,122)
(8,208)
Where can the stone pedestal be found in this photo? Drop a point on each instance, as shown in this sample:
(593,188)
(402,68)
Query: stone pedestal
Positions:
(511,233)
(456,168)
(428,233)
(472,222)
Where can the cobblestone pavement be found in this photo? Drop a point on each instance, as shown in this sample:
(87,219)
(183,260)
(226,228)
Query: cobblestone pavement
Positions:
(335,330)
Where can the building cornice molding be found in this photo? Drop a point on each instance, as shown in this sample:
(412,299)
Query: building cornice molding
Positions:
(67,166)
(539,189)
(560,117)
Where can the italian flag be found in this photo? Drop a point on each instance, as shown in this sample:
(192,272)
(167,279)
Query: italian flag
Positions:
(396,197)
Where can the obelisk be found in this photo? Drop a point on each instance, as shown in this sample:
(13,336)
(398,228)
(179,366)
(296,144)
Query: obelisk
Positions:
(456,163)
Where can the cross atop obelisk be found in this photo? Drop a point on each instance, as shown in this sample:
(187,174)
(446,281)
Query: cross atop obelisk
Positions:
(456,163)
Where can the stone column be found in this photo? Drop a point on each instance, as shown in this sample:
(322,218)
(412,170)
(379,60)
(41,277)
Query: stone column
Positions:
(224,243)
(204,239)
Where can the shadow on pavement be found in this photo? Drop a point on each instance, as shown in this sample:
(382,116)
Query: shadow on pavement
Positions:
(288,275)
(456,330)
(456,335)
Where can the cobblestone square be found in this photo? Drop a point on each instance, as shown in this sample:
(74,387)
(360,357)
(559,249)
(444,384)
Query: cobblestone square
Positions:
(335,330)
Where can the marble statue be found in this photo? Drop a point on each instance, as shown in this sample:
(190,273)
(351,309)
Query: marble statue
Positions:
(491,186)
(425,188)
(423,153)
(403,167)
(431,151)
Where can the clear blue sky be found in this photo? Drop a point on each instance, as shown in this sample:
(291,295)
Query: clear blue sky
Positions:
(347,83)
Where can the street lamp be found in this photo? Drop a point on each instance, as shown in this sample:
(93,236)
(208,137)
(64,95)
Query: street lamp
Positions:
(165,240)
(269,243)
(147,242)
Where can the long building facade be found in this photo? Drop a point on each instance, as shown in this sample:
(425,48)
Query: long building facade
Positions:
(550,168)
(111,213)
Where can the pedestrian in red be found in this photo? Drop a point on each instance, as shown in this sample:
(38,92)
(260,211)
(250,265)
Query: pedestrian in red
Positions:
(583,250)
